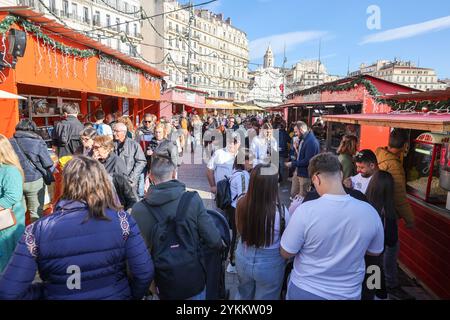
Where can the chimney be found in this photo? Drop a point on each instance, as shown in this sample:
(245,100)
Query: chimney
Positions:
(220,16)
(229,21)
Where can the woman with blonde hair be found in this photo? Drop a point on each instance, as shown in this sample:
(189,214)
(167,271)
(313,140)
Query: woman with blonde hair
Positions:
(88,249)
(346,151)
(11,200)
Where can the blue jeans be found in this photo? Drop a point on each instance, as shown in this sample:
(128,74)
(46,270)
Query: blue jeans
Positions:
(141,183)
(260,273)
(295,293)
(390,257)
(200,296)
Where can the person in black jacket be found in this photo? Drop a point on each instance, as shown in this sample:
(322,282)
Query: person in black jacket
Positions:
(35,160)
(103,149)
(66,135)
(166,195)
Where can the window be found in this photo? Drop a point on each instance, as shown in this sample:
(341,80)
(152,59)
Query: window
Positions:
(108,21)
(74,10)
(96,18)
(86,15)
(170,25)
(117,24)
(177,29)
(65,10)
(136,34)
(52,6)
(127,28)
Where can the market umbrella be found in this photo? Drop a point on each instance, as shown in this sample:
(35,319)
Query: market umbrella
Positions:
(7,95)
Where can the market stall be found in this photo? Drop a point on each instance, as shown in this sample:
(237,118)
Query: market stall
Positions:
(424,250)
(57,64)
(178,99)
(353,95)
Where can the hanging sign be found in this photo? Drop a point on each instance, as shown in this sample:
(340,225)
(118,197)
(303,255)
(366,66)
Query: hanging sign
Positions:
(114,78)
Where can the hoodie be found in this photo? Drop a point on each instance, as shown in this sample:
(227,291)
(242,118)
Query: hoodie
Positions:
(389,162)
(167,196)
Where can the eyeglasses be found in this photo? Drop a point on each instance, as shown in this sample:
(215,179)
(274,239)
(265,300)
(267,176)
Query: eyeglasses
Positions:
(147,122)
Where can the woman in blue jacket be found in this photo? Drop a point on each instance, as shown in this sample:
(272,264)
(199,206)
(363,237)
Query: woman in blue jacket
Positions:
(85,249)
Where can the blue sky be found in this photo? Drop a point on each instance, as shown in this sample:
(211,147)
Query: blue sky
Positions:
(410,30)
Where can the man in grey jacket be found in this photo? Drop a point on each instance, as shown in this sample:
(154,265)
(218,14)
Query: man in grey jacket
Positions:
(166,194)
(131,153)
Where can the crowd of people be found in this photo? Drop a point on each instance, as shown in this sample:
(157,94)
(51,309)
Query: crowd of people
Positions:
(139,233)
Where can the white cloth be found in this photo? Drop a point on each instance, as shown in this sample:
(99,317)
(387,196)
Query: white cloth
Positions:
(360,183)
(259,148)
(236,185)
(221,163)
(330,237)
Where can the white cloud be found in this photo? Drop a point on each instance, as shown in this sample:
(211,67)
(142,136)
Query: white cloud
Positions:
(408,31)
(258,47)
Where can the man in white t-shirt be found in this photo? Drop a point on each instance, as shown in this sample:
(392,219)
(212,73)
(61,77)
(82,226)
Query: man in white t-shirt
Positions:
(329,238)
(366,165)
(221,163)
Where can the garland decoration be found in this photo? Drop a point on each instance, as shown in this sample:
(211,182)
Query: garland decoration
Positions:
(81,54)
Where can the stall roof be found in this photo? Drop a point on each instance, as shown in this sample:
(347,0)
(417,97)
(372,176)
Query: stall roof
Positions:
(188,89)
(427,95)
(191,105)
(349,79)
(417,121)
(59,29)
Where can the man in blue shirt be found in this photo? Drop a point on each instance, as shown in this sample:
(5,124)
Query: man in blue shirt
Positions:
(310,147)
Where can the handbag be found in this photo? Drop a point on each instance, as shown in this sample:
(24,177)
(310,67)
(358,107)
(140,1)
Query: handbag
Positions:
(47,175)
(7,219)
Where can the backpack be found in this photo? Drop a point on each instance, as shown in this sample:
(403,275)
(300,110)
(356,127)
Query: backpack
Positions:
(179,271)
(223,195)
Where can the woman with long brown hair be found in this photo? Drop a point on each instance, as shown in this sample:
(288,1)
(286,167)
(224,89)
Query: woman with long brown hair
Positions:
(346,151)
(260,221)
(11,200)
(84,249)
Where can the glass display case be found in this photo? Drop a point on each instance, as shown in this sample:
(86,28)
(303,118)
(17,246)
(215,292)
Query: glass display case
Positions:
(423,172)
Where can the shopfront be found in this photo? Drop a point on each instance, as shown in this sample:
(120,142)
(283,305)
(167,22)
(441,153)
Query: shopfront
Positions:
(178,99)
(60,65)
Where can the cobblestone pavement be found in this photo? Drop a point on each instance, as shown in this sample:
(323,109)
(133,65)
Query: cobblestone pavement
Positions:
(194,176)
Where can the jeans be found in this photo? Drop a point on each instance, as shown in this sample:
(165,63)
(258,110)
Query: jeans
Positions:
(34,193)
(141,183)
(260,273)
(231,212)
(200,296)
(390,257)
(295,293)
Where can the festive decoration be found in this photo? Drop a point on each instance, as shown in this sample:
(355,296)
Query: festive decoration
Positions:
(66,51)
(396,106)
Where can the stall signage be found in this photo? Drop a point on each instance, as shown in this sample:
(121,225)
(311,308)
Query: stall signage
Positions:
(114,78)
(433,138)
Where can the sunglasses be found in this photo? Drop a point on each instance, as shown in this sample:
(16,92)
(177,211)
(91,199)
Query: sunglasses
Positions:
(147,122)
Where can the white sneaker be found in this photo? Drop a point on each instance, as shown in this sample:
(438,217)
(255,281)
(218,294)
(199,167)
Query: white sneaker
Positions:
(231,269)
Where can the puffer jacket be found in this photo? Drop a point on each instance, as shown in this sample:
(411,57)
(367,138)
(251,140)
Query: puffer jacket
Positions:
(65,246)
(132,154)
(389,162)
(35,148)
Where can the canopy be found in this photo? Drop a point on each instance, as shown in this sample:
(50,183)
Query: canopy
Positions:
(219,104)
(248,107)
(418,121)
(12,96)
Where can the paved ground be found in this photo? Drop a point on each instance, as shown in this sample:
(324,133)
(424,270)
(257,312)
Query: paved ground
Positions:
(194,176)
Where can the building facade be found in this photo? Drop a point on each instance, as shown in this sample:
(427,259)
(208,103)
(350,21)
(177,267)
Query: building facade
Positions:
(197,48)
(403,72)
(115,23)
(266,83)
(307,74)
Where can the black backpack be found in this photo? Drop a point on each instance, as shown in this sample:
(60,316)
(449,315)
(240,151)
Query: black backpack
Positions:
(223,194)
(179,271)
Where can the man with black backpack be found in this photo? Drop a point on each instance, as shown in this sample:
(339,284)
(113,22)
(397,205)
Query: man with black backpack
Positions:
(174,224)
